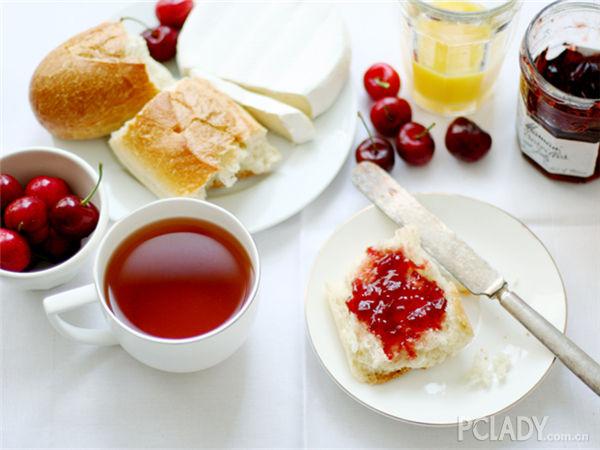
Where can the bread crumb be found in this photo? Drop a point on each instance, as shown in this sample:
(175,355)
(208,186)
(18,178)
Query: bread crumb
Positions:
(435,388)
(502,366)
(485,369)
(480,374)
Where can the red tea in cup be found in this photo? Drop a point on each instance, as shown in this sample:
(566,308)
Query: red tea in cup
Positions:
(178,278)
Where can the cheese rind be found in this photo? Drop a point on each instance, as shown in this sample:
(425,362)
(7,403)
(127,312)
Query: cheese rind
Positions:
(297,53)
(282,119)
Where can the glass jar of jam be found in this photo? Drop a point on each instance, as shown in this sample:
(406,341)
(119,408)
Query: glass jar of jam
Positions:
(558,119)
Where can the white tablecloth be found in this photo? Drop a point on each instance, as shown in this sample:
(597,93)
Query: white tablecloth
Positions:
(273,392)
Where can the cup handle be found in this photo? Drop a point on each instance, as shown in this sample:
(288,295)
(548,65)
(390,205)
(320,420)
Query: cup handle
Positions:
(65,301)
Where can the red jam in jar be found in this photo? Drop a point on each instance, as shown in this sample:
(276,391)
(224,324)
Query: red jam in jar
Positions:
(574,71)
(395,301)
(558,122)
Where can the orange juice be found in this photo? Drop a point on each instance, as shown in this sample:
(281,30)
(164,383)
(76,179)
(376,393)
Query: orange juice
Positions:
(455,62)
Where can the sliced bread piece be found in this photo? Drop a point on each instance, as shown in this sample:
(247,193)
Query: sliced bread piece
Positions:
(278,117)
(396,311)
(189,138)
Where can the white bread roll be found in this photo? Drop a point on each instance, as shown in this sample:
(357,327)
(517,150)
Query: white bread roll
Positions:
(191,137)
(90,85)
(364,351)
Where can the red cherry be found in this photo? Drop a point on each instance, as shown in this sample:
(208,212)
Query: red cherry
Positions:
(378,151)
(466,141)
(381,80)
(76,218)
(375,149)
(10,190)
(48,189)
(162,42)
(389,114)
(72,218)
(414,143)
(15,254)
(59,248)
(173,12)
(38,236)
(26,214)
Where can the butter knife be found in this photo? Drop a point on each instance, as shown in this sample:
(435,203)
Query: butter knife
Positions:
(468,268)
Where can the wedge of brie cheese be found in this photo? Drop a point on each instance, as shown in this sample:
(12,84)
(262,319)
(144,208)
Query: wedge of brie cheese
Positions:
(280,118)
(297,53)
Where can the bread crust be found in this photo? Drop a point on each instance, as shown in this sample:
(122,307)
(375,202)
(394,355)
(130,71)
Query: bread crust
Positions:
(371,377)
(89,86)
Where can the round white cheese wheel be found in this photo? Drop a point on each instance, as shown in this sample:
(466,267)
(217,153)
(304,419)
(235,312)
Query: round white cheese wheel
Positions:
(297,53)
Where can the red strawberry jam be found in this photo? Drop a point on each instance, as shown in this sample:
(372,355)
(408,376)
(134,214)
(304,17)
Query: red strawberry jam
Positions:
(395,301)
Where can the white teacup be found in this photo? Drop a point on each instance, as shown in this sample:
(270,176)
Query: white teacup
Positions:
(172,355)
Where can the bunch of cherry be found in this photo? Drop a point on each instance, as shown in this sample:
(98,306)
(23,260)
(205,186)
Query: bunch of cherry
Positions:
(162,40)
(392,118)
(45,222)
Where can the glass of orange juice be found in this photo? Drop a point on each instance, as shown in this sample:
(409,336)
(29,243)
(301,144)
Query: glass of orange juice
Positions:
(454,50)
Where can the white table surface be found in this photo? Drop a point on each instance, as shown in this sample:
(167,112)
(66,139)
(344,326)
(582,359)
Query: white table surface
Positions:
(273,392)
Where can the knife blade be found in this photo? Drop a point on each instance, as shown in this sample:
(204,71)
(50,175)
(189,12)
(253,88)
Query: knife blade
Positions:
(450,251)
(461,261)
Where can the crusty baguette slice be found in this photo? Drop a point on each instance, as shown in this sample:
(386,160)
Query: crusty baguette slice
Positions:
(364,351)
(90,85)
(190,137)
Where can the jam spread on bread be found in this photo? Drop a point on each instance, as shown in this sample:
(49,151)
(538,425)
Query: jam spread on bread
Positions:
(395,301)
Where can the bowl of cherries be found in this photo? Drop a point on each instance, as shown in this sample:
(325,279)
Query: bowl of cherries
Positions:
(54,213)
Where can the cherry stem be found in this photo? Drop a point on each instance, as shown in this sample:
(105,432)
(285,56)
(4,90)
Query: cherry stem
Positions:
(135,20)
(425,131)
(362,119)
(86,200)
(381,83)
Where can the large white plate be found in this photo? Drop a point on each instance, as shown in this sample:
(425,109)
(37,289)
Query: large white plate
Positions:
(442,395)
(261,202)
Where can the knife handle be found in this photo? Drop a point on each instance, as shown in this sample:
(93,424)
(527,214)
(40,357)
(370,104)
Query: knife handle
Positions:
(578,362)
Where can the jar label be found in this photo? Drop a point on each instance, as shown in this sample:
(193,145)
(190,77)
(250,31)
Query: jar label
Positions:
(559,156)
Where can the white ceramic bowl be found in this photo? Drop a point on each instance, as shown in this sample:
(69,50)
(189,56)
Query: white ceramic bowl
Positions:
(27,163)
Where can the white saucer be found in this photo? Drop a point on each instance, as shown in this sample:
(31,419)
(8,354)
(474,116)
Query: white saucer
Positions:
(442,395)
(261,202)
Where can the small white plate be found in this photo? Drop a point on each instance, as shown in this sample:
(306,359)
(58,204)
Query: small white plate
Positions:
(260,202)
(442,395)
